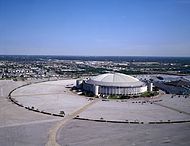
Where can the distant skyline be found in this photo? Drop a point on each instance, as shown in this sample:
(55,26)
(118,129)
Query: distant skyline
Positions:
(95,27)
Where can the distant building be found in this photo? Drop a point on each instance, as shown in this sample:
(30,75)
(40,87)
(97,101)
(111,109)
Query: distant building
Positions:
(113,84)
(175,87)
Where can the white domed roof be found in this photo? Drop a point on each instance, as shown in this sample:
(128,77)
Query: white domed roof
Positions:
(115,79)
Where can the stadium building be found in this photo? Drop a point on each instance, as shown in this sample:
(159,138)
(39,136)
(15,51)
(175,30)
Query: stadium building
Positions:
(113,84)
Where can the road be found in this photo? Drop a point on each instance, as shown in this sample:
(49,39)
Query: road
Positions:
(53,131)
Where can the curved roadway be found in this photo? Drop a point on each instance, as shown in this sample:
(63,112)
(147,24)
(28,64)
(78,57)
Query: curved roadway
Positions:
(54,96)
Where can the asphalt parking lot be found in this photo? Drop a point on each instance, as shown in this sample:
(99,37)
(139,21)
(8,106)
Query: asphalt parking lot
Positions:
(21,127)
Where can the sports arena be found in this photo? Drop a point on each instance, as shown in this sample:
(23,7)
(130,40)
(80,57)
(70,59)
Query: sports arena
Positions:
(113,84)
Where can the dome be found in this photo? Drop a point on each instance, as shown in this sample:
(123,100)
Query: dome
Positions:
(115,79)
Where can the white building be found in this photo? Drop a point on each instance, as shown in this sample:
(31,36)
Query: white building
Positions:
(114,84)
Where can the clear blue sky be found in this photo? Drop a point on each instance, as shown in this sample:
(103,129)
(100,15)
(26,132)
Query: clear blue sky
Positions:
(95,27)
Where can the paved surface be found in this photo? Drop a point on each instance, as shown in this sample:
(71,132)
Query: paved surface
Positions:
(60,125)
(89,133)
(122,111)
(50,96)
(20,127)
(30,134)
(54,97)
(11,113)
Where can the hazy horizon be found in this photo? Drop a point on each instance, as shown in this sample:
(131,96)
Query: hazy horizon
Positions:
(89,55)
